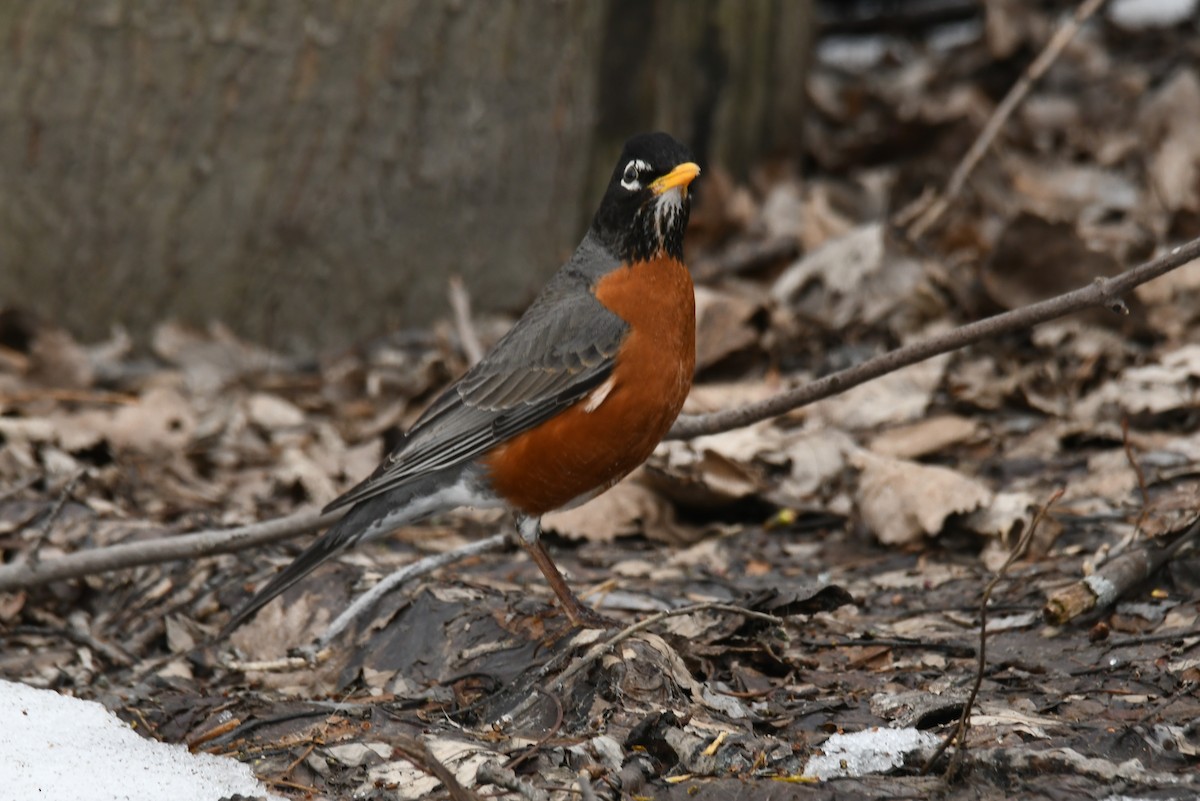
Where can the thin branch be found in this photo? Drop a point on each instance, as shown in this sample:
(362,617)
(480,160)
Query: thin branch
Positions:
(959,732)
(20,575)
(958,179)
(492,772)
(460,303)
(419,754)
(407,573)
(601,648)
(1137,471)
(1115,579)
(1105,292)
(43,528)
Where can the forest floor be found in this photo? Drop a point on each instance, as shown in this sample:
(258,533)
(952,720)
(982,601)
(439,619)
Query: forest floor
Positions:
(857,535)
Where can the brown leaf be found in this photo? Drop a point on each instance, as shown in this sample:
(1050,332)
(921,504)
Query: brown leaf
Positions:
(859,279)
(902,502)
(897,397)
(1173,510)
(923,437)
(628,508)
(1170,122)
(1035,259)
(724,325)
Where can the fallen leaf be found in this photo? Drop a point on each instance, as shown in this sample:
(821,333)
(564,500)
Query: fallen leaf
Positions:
(1170,125)
(902,502)
(923,437)
(896,397)
(724,325)
(271,412)
(855,279)
(628,508)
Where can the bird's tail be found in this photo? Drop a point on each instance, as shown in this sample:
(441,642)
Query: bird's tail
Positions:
(370,518)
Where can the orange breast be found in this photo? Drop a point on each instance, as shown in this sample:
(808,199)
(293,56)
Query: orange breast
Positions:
(595,443)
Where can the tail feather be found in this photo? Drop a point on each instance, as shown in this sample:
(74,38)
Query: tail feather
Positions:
(368,518)
(321,549)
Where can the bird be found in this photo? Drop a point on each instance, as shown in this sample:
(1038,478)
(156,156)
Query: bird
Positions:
(569,401)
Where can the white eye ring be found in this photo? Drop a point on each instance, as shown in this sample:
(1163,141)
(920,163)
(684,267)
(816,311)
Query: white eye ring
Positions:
(629,178)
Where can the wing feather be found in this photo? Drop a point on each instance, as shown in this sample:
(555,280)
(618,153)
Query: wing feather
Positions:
(562,348)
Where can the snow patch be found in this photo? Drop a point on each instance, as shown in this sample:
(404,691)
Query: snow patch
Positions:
(866,752)
(55,746)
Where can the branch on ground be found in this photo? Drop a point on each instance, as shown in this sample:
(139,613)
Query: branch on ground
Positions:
(1115,579)
(1103,292)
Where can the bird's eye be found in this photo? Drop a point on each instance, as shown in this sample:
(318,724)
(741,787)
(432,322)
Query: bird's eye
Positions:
(633,170)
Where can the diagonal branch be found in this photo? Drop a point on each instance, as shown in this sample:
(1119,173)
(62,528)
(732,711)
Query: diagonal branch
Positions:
(1008,105)
(1102,292)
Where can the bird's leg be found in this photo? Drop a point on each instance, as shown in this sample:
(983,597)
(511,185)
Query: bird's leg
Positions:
(580,614)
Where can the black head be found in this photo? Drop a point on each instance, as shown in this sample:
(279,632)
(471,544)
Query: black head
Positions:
(645,208)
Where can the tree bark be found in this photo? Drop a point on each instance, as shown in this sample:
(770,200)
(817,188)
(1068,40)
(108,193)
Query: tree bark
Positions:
(312,173)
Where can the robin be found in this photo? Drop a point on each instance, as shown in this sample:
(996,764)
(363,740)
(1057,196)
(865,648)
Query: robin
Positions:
(574,397)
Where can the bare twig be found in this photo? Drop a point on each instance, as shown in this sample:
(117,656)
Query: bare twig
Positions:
(419,568)
(494,773)
(601,648)
(43,528)
(1137,471)
(20,575)
(1145,639)
(69,396)
(1102,292)
(549,735)
(584,783)
(1116,578)
(959,732)
(281,665)
(1000,115)
(460,302)
(416,752)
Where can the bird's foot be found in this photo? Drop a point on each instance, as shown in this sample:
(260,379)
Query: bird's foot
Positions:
(584,617)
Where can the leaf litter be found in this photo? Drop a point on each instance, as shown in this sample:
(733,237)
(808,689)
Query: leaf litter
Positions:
(867,524)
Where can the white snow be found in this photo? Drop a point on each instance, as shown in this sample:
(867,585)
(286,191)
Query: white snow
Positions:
(864,752)
(1135,14)
(53,746)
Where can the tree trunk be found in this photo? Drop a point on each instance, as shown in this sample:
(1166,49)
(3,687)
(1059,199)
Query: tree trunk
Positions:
(312,173)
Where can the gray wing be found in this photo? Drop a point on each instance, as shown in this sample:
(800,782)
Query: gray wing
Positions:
(563,347)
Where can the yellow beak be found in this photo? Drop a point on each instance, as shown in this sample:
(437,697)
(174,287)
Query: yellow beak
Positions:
(681,176)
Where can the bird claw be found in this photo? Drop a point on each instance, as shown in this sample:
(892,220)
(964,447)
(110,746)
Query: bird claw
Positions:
(585,617)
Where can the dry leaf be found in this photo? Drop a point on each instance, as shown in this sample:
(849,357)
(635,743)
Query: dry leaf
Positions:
(897,397)
(724,325)
(1170,124)
(1151,389)
(271,412)
(923,437)
(1064,192)
(1172,511)
(628,508)
(902,502)
(855,279)
(1035,259)
(815,459)
(212,359)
